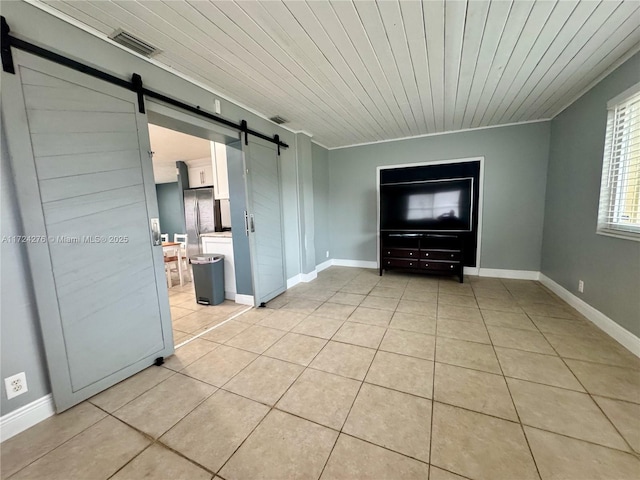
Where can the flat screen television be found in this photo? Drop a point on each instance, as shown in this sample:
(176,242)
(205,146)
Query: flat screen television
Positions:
(427,206)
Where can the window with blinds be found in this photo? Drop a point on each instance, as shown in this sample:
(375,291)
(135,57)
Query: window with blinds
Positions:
(619,212)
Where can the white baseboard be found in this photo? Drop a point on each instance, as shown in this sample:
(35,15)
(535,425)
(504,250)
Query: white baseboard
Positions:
(618,333)
(482,272)
(230,295)
(26,417)
(324,265)
(308,277)
(503,273)
(245,299)
(301,277)
(293,281)
(341,262)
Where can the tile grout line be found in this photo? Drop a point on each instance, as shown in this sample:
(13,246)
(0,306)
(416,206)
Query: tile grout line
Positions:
(136,397)
(557,355)
(131,459)
(505,382)
(592,399)
(273,407)
(590,442)
(554,386)
(57,446)
(433,380)
(515,408)
(108,414)
(433,400)
(157,441)
(326,462)
(631,450)
(212,328)
(355,398)
(179,453)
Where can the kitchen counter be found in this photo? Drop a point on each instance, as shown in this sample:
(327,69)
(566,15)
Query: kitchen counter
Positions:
(217,234)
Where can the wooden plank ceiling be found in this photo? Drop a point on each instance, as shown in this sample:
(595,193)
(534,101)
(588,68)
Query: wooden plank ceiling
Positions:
(354,72)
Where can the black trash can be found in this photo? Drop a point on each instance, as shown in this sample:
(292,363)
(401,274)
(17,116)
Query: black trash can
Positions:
(208,278)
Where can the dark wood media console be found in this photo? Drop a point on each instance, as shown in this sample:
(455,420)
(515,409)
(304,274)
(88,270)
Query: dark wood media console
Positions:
(422,253)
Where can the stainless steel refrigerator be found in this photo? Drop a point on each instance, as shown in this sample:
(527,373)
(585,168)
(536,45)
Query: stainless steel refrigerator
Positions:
(201,215)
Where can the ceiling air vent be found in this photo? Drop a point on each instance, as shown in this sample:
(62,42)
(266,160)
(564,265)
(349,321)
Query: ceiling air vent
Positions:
(132,43)
(278,119)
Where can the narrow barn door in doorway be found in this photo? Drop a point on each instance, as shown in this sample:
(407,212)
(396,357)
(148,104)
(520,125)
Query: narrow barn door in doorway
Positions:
(262,166)
(85,186)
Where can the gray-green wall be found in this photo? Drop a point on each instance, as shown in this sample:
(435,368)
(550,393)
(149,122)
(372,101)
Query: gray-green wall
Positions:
(515,173)
(306,202)
(22,349)
(169,208)
(571,249)
(320,163)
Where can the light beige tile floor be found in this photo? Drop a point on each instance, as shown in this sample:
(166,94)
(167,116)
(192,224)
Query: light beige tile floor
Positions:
(189,318)
(356,376)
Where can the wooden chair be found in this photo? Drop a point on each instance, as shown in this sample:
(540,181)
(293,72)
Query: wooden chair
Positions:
(181,238)
(172,263)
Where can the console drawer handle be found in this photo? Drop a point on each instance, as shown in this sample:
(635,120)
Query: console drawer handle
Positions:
(426,254)
(426,264)
(452,255)
(451,266)
(410,253)
(410,264)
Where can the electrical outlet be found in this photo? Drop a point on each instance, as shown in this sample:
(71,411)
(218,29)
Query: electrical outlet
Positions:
(216,106)
(327,255)
(16,385)
(580,286)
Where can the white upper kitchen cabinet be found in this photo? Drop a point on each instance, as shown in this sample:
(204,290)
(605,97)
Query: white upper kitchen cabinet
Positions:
(200,173)
(221,178)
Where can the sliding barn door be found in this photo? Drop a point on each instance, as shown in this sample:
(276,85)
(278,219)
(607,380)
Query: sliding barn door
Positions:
(85,188)
(264,202)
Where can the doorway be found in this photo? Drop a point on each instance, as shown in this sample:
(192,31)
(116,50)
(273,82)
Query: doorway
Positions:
(255,201)
(191,182)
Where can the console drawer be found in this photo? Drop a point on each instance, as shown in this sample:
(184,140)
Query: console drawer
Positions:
(401,253)
(401,262)
(439,266)
(451,255)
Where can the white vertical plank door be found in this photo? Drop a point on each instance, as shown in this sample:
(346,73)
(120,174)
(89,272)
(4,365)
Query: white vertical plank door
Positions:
(79,151)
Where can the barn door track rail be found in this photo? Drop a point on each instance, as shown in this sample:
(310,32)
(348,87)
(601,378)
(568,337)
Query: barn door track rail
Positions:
(135,84)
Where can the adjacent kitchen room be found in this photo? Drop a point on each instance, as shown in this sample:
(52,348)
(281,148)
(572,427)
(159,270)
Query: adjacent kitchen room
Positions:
(192,188)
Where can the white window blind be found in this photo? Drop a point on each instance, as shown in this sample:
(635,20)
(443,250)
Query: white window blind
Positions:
(619,212)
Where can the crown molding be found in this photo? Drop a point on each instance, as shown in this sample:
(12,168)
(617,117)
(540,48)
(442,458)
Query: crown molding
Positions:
(448,132)
(630,53)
